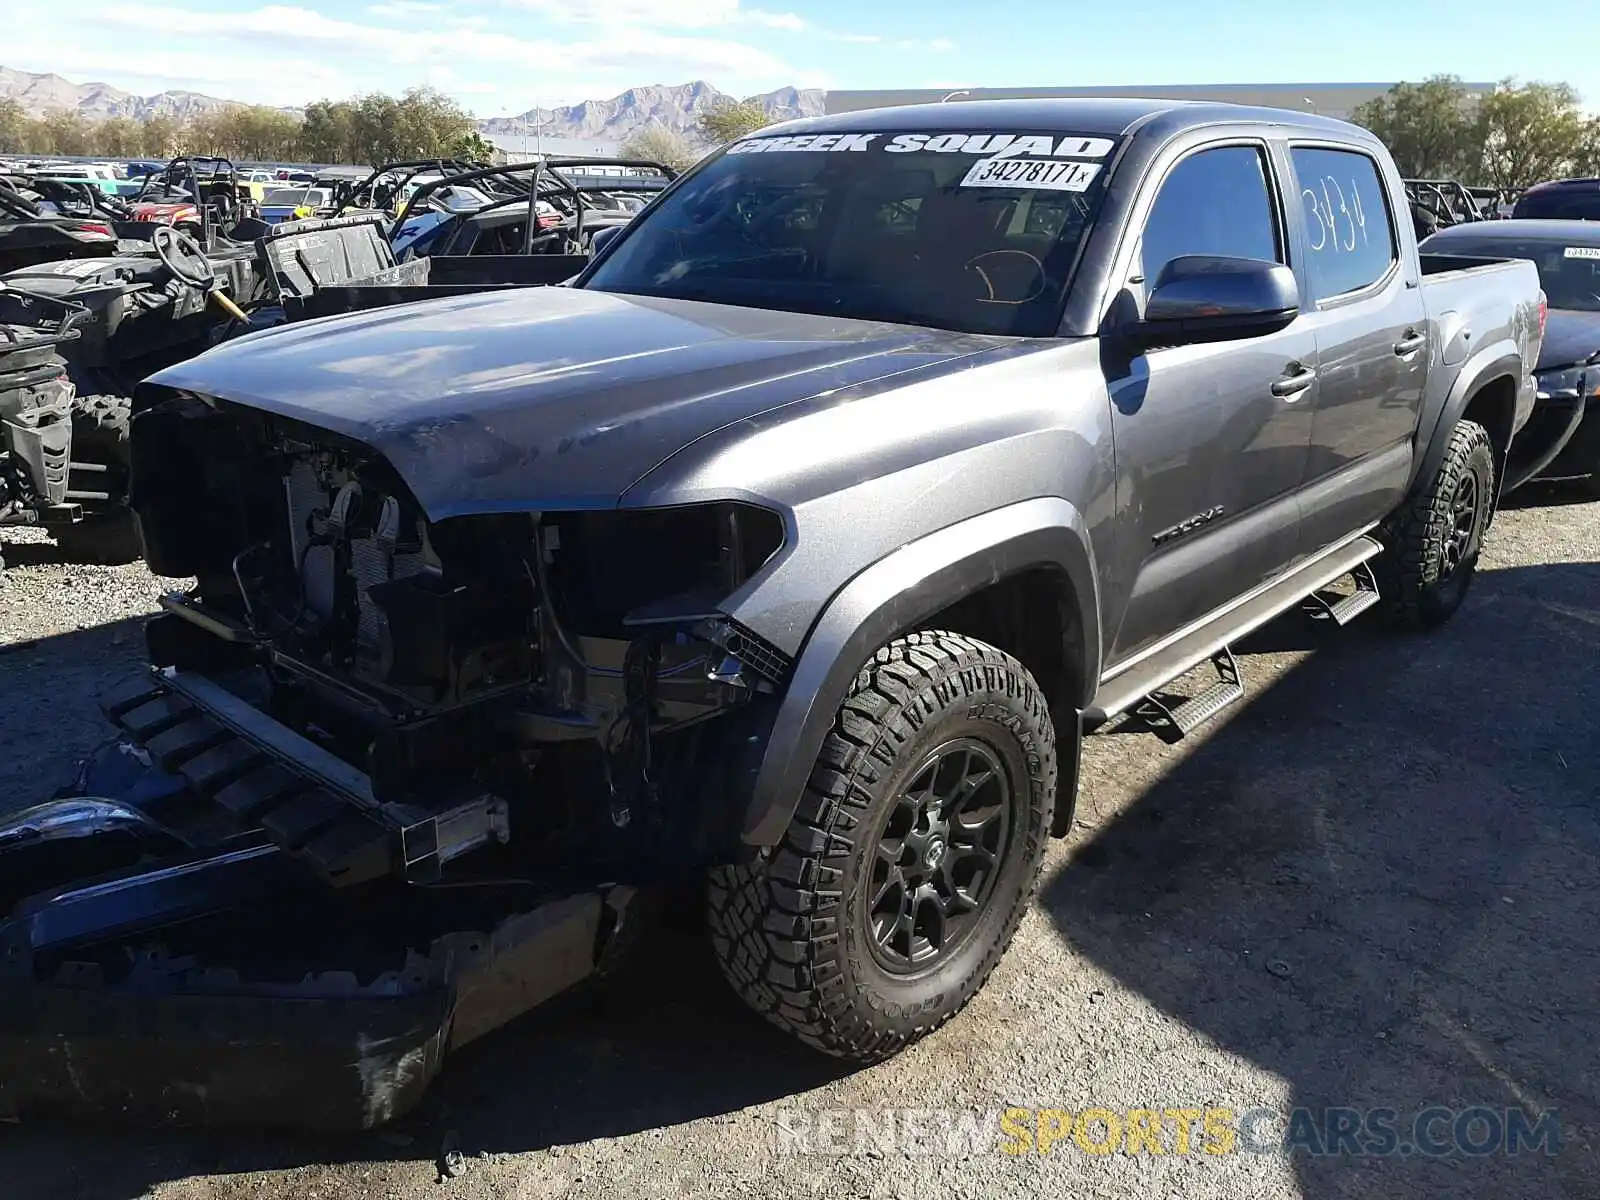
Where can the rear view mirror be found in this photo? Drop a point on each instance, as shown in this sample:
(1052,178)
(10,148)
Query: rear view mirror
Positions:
(1208,297)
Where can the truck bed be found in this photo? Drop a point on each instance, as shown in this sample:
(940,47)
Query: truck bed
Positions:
(345,264)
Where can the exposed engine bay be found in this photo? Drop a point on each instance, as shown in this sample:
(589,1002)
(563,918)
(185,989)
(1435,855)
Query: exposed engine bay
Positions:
(512,677)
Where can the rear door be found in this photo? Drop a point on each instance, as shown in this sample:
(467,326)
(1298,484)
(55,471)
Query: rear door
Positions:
(1210,439)
(1373,340)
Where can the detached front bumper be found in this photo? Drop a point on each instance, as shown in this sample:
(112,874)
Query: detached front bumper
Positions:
(149,974)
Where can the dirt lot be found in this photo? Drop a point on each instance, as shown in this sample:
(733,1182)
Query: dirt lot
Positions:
(1376,883)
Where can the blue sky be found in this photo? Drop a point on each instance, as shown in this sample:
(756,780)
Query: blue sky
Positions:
(497,56)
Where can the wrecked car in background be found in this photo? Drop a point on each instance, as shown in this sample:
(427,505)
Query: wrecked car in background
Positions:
(790,550)
(1561,441)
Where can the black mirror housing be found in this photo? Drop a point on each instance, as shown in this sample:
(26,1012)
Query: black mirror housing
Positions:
(1209,297)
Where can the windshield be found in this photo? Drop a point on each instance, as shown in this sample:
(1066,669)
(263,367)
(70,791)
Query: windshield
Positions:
(1569,274)
(295,196)
(1558,204)
(976,232)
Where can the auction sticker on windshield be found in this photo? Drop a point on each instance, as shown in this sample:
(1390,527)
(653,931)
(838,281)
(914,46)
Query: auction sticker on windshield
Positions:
(1581,252)
(1048,174)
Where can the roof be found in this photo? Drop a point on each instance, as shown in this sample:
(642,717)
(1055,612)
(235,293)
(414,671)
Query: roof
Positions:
(1569,232)
(1075,114)
(1576,185)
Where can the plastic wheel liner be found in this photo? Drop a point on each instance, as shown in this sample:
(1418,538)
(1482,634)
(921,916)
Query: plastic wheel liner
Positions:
(161,962)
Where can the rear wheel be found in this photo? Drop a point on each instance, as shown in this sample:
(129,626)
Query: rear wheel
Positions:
(108,533)
(1434,539)
(911,859)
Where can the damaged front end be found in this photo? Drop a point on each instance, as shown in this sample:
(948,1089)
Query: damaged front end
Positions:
(390,781)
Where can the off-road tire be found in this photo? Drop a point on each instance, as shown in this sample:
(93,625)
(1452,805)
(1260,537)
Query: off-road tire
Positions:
(1412,575)
(790,931)
(100,434)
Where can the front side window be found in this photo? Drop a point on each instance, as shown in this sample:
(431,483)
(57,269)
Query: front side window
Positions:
(1349,232)
(973,231)
(1215,201)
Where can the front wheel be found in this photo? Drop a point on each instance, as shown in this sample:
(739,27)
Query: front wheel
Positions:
(912,856)
(1432,542)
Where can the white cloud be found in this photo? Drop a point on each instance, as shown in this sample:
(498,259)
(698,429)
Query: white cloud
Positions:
(658,14)
(492,55)
(403,9)
(266,50)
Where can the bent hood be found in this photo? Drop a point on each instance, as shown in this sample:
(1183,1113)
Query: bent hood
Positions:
(549,397)
(1571,338)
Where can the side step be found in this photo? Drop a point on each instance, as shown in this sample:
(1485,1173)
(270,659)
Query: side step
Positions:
(1341,610)
(1137,680)
(1197,710)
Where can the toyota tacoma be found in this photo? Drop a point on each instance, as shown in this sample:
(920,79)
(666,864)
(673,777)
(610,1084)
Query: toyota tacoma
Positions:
(791,547)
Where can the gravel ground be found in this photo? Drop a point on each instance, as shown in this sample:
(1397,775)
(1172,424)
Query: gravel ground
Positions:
(1376,883)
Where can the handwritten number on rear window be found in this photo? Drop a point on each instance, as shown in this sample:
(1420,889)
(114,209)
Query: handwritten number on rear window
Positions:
(1327,207)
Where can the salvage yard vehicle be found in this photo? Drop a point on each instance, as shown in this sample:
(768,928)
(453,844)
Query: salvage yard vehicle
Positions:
(282,204)
(1562,438)
(1560,200)
(569,210)
(146,306)
(191,193)
(30,235)
(791,547)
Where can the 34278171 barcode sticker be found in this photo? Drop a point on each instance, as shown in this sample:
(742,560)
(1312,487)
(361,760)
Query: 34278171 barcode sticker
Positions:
(1047,174)
(1581,252)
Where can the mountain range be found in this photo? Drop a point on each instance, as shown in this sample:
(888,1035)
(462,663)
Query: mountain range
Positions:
(677,108)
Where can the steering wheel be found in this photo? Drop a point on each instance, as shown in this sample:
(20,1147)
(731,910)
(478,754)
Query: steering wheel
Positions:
(182,255)
(990,267)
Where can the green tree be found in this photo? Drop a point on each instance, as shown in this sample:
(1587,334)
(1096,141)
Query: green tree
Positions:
(1429,128)
(1588,160)
(730,121)
(1531,133)
(67,131)
(429,124)
(159,137)
(657,143)
(13,125)
(327,134)
(472,146)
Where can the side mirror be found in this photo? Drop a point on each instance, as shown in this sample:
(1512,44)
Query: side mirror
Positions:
(602,239)
(1208,298)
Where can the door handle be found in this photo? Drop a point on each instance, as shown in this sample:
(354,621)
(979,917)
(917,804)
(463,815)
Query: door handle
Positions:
(1410,344)
(1291,386)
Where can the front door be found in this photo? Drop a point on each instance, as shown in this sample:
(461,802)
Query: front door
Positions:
(1211,439)
(1372,345)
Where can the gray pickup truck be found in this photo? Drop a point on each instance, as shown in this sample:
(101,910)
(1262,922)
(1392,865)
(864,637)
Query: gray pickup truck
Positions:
(793,546)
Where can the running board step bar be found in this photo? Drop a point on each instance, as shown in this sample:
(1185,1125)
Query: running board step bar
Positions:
(1137,680)
(1341,610)
(1197,710)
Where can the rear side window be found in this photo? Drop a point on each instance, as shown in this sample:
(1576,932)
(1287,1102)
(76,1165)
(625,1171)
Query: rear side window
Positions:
(1349,231)
(1559,205)
(1213,202)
